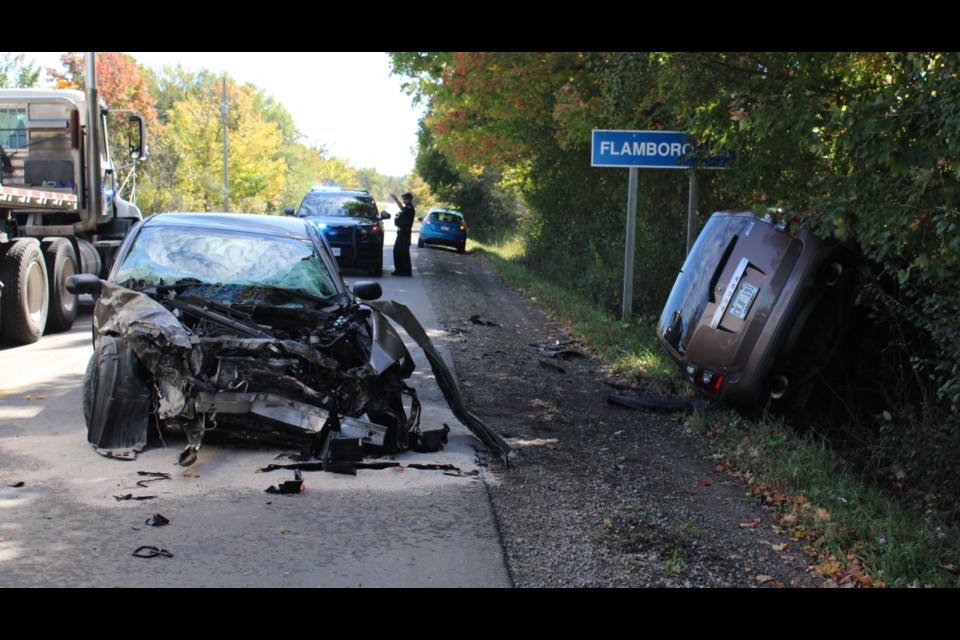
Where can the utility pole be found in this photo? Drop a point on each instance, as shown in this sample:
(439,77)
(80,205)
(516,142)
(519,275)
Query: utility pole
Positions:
(226,176)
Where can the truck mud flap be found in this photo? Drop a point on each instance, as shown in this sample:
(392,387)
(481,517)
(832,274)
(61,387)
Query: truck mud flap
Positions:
(116,401)
(445,379)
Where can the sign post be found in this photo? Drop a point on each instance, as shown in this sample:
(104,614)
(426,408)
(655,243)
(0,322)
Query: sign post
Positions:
(649,150)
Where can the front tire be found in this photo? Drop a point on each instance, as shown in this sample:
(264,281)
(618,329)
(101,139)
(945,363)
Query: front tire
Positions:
(23,271)
(61,262)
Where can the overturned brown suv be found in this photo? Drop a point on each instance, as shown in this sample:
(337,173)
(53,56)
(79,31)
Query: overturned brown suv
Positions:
(754,315)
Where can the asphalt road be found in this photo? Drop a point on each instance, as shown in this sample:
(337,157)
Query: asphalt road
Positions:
(63,527)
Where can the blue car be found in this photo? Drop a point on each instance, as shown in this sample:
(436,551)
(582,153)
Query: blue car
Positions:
(444,227)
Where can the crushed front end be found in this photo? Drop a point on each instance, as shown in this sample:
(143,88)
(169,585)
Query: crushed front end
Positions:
(241,360)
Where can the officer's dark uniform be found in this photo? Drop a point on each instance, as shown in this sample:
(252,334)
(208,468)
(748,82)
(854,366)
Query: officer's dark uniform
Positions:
(401,250)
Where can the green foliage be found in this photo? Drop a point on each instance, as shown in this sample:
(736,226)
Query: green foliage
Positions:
(490,209)
(864,145)
(15,71)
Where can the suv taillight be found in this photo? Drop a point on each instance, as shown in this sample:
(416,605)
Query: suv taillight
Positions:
(706,381)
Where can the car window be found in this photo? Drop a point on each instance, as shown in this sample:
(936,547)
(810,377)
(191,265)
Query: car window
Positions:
(164,255)
(444,216)
(693,288)
(345,205)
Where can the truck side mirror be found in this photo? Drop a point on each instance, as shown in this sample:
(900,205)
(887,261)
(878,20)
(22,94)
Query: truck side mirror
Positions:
(138,150)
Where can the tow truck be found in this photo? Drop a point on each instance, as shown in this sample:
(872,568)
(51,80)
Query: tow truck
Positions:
(60,208)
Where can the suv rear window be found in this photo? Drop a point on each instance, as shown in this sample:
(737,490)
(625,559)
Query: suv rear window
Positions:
(347,205)
(694,286)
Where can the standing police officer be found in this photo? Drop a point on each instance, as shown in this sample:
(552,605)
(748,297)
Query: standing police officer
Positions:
(404,222)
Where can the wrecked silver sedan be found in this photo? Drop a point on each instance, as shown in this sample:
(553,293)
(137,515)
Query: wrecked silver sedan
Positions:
(241,324)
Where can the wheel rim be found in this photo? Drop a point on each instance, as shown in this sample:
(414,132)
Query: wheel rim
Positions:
(36,295)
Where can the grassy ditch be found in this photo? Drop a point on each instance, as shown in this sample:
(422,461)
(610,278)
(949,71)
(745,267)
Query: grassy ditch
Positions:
(628,347)
(852,532)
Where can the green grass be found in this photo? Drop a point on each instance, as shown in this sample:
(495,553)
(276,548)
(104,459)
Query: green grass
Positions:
(849,526)
(854,531)
(628,347)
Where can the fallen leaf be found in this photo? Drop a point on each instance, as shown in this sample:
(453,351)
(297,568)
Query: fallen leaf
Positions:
(2,539)
(26,397)
(41,397)
(781,547)
(284,530)
(952,568)
(790,517)
(823,514)
(719,468)
(750,525)
(830,567)
(397,469)
(704,483)
(764,579)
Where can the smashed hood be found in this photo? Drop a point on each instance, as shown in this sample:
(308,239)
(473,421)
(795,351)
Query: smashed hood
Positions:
(264,369)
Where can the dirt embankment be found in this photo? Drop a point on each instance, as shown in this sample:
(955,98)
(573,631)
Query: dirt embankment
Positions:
(597,495)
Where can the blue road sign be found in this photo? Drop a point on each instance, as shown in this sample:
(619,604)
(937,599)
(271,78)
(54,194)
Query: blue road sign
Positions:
(649,149)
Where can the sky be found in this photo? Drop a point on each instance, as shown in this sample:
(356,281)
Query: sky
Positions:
(346,102)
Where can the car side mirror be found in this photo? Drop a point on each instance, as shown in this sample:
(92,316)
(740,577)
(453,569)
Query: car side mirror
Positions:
(420,219)
(84,283)
(288,211)
(384,215)
(367,290)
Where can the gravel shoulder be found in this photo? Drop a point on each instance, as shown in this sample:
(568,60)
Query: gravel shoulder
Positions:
(596,495)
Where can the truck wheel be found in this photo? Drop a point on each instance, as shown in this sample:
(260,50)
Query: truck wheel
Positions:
(24,275)
(61,262)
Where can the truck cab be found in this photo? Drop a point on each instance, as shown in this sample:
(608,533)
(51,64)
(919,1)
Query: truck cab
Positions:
(60,208)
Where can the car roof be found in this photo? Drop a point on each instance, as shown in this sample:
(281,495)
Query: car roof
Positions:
(330,188)
(249,222)
(453,211)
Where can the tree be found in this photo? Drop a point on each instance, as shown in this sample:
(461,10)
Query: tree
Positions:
(15,71)
(256,170)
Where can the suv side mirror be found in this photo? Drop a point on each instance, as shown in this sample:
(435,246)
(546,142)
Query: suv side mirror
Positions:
(384,215)
(288,211)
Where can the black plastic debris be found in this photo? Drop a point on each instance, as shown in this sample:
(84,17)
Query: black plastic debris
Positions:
(552,365)
(130,496)
(429,441)
(561,354)
(154,476)
(148,551)
(156,520)
(655,401)
(15,485)
(289,486)
(476,319)
(188,456)
(433,467)
(302,466)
